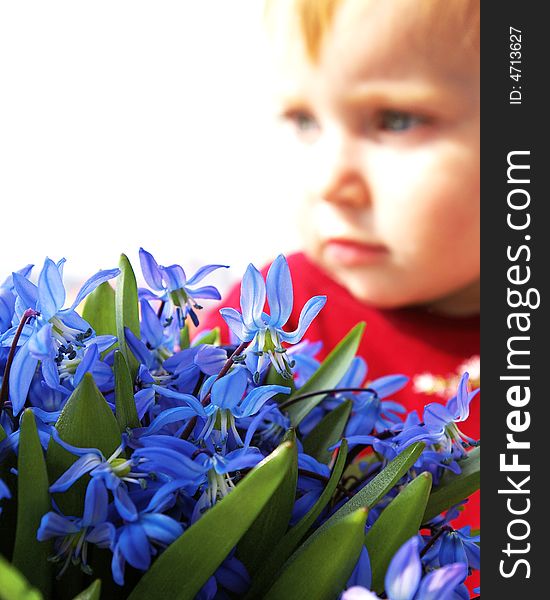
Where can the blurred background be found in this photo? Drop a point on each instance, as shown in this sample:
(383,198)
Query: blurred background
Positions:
(137,123)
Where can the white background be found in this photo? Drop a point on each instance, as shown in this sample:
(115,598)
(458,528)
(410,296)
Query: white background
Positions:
(131,123)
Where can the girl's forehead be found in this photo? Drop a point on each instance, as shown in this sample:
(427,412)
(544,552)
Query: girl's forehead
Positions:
(436,33)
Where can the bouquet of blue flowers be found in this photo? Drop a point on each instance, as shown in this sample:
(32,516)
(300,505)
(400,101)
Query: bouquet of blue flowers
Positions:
(140,460)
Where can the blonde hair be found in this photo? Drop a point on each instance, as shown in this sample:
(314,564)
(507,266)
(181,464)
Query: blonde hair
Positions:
(315,18)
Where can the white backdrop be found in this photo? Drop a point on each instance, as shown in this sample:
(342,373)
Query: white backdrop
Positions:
(132,123)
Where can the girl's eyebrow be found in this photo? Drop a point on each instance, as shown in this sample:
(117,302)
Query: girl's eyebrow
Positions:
(410,94)
(397,92)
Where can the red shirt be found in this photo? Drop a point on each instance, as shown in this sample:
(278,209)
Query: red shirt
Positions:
(430,349)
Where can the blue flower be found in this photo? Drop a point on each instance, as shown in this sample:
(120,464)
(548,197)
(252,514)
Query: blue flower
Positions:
(173,287)
(442,420)
(72,535)
(455,546)
(369,410)
(228,400)
(55,333)
(113,472)
(404,579)
(231,575)
(264,332)
(138,540)
(7,299)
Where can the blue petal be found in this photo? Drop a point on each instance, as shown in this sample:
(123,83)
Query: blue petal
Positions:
(404,573)
(280,296)
(452,550)
(27,291)
(171,463)
(134,545)
(440,584)
(187,398)
(207,292)
(151,270)
(51,377)
(51,292)
(235,322)
(355,375)
(252,298)
(242,458)
(79,468)
(386,386)
(86,364)
(232,575)
(102,535)
(103,342)
(124,505)
(144,399)
(228,391)
(90,285)
(309,312)
(174,277)
(72,319)
(151,328)
(210,359)
(21,374)
(171,415)
(362,573)
(24,272)
(257,398)
(7,306)
(437,416)
(203,272)
(41,344)
(161,528)
(96,503)
(138,348)
(117,565)
(54,525)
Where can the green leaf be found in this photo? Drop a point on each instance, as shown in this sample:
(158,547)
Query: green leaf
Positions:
(397,523)
(127,310)
(3,434)
(125,404)
(86,421)
(91,593)
(184,337)
(454,488)
(322,569)
(213,338)
(378,487)
(13,586)
(184,567)
(33,501)
(286,546)
(327,432)
(327,376)
(99,310)
(275,378)
(272,523)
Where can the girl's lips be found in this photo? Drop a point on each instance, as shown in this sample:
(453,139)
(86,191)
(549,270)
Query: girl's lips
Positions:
(349,253)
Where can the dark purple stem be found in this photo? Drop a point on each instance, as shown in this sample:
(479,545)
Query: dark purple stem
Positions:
(292,401)
(4,392)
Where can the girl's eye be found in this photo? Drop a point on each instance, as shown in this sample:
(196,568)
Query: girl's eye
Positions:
(396,120)
(304,124)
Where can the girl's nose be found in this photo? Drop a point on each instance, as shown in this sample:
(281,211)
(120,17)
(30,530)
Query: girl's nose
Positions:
(341,178)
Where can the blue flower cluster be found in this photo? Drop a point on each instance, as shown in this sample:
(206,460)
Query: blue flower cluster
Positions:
(207,415)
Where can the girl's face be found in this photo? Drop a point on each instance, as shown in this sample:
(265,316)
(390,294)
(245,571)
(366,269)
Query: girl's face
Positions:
(386,138)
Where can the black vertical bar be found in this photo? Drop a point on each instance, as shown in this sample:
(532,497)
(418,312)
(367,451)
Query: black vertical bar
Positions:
(515,345)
